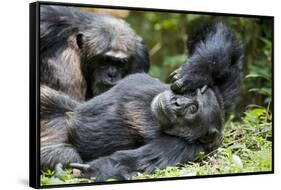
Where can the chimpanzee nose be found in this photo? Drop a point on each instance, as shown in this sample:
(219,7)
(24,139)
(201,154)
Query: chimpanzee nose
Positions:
(182,101)
(179,102)
(111,74)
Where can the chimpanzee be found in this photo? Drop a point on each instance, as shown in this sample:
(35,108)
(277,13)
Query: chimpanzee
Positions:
(84,54)
(140,124)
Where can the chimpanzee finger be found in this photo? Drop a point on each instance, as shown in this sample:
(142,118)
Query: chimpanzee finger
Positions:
(175,78)
(101,178)
(59,170)
(76,172)
(82,167)
(203,89)
(85,170)
(177,86)
(174,73)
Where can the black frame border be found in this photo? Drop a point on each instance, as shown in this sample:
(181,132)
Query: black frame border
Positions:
(34,92)
(34,98)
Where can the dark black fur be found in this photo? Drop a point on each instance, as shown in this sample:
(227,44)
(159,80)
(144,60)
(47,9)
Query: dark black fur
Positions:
(75,45)
(216,57)
(54,113)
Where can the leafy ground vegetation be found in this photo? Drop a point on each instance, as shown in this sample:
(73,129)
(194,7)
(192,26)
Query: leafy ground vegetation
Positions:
(246,147)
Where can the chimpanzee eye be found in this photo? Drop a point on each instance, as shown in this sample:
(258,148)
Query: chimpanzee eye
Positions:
(192,108)
(102,65)
(124,61)
(120,64)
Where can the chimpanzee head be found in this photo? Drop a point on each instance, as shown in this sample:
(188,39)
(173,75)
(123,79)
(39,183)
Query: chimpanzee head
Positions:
(192,116)
(106,71)
(110,50)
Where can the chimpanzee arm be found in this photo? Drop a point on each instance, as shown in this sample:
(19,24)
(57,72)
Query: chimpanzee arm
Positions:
(122,165)
(215,61)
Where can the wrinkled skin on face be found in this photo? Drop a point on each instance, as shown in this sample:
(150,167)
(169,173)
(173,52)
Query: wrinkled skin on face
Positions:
(106,72)
(193,116)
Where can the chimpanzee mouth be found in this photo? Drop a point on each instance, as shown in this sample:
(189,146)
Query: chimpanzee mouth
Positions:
(101,87)
(162,109)
(106,84)
(110,82)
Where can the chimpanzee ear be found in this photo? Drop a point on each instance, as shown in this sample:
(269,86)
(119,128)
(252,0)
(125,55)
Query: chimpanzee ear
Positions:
(79,40)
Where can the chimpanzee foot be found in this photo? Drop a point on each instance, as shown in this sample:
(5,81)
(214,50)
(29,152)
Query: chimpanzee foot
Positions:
(101,173)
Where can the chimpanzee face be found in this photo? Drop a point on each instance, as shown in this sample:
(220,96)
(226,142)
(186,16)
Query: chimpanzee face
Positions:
(107,71)
(190,116)
(108,53)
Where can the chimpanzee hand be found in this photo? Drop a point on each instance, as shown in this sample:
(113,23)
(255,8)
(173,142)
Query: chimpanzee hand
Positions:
(189,77)
(211,141)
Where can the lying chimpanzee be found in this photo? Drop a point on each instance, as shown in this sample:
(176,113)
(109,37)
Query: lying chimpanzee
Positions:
(140,124)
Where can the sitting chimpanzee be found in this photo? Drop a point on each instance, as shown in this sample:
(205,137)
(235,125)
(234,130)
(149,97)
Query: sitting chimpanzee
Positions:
(140,124)
(84,54)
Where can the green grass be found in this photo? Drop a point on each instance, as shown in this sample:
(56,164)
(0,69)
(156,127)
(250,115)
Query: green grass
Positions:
(246,147)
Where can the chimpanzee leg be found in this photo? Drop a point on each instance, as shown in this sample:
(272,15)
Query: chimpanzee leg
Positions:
(122,165)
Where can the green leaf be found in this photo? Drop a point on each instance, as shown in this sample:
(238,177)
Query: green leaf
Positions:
(263,91)
(198,156)
(256,75)
(155,71)
(228,152)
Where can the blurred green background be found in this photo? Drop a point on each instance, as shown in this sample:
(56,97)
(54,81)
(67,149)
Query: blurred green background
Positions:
(165,35)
